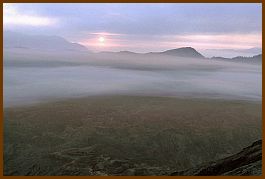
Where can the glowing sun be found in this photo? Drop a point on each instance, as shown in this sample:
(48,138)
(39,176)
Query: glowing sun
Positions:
(101,39)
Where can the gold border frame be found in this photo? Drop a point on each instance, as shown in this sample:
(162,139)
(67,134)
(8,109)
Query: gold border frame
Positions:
(125,1)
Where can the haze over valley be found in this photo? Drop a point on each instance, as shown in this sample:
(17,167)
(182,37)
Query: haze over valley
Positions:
(33,75)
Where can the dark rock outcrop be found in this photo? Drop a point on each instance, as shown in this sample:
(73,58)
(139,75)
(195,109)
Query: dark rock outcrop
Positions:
(246,162)
(183,52)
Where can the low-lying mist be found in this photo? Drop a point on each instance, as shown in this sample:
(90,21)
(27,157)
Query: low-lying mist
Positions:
(34,76)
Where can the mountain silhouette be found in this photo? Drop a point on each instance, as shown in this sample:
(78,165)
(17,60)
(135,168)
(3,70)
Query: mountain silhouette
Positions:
(253,59)
(183,52)
(40,42)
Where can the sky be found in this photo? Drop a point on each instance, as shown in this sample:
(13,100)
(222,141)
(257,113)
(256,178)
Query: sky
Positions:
(141,27)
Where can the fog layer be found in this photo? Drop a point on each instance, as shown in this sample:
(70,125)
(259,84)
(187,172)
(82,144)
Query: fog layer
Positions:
(35,76)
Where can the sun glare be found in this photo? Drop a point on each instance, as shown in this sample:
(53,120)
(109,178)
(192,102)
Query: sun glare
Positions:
(101,39)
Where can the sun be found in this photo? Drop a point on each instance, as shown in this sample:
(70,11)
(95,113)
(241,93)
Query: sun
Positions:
(101,39)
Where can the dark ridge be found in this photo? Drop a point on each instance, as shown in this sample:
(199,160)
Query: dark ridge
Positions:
(127,52)
(253,59)
(183,52)
(246,162)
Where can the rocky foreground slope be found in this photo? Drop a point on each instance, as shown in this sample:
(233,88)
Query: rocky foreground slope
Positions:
(124,135)
(84,162)
(246,162)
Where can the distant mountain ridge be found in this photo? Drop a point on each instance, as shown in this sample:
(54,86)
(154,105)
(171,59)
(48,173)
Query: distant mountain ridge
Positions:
(253,59)
(183,52)
(188,52)
(41,42)
(230,53)
(45,42)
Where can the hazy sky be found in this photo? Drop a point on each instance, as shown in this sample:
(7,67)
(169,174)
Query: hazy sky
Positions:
(141,27)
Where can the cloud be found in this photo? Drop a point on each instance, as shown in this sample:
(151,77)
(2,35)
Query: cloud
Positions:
(106,34)
(142,27)
(145,43)
(12,16)
(237,41)
(28,20)
(151,19)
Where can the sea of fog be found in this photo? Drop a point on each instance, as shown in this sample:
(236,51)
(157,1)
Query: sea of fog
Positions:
(26,84)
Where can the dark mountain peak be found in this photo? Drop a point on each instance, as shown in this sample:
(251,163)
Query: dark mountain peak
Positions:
(184,52)
(126,52)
